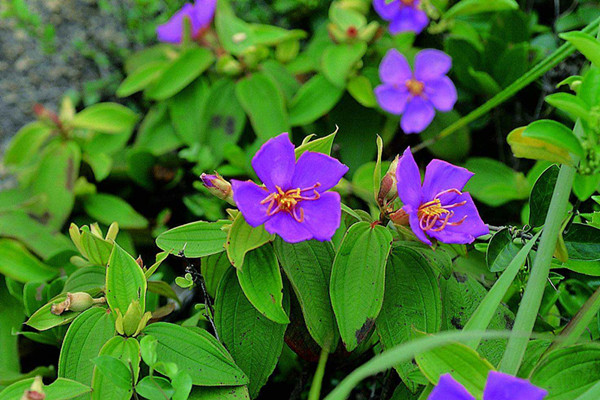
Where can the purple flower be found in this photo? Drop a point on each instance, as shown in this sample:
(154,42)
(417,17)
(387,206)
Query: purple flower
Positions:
(415,94)
(295,203)
(208,179)
(200,16)
(404,15)
(438,208)
(499,386)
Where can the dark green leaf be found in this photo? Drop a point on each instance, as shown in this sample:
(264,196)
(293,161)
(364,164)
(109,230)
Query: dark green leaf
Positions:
(113,369)
(196,239)
(314,99)
(583,242)
(242,238)
(501,251)
(541,194)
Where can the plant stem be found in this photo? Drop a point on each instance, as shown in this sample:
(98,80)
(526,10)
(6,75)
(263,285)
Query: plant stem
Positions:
(315,389)
(532,298)
(540,69)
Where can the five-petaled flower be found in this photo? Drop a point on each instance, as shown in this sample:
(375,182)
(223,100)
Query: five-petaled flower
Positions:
(418,94)
(499,386)
(437,208)
(200,15)
(295,202)
(404,15)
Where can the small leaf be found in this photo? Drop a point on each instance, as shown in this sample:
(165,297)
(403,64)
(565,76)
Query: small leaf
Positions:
(141,78)
(554,133)
(242,238)
(125,281)
(320,145)
(107,209)
(314,99)
(570,104)
(338,61)
(122,353)
(494,183)
(535,149)
(583,242)
(196,239)
(541,194)
(154,388)
(26,143)
(112,368)
(106,118)
(185,110)
(361,89)
(470,7)
(501,251)
(586,44)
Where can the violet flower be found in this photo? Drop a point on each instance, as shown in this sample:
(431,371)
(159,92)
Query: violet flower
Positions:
(418,94)
(403,15)
(499,386)
(295,203)
(200,16)
(438,208)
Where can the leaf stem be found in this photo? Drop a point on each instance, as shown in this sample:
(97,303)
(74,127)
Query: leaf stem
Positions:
(315,389)
(532,298)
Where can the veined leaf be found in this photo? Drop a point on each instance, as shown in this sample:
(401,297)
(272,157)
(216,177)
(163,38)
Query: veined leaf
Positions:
(586,44)
(242,238)
(106,118)
(125,281)
(60,389)
(554,133)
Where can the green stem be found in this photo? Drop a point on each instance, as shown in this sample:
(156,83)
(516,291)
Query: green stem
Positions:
(532,298)
(315,389)
(540,69)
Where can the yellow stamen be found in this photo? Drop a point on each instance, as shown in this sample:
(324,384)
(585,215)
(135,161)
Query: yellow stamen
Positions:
(415,87)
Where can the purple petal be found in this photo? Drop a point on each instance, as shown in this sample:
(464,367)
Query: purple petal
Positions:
(440,176)
(449,389)
(409,19)
(322,217)
(290,230)
(394,68)
(415,225)
(442,93)
(204,12)
(313,168)
(172,30)
(501,386)
(247,196)
(392,98)
(418,115)
(274,162)
(469,230)
(431,64)
(409,180)
(387,11)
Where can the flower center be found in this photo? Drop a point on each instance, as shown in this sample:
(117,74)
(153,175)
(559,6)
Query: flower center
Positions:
(352,31)
(409,3)
(288,201)
(415,87)
(433,216)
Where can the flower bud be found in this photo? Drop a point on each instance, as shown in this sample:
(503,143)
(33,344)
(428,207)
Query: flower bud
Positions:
(360,6)
(287,50)
(253,55)
(77,302)
(227,65)
(337,34)
(389,184)
(218,187)
(36,391)
(367,33)
(399,217)
(133,322)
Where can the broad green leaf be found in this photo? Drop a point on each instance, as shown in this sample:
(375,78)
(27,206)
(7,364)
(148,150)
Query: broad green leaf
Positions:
(162,288)
(113,370)
(535,149)
(185,109)
(141,78)
(285,80)
(586,44)
(196,239)
(254,341)
(106,118)
(242,238)
(43,319)
(512,63)
(494,183)
(270,35)
(235,35)
(196,352)
(60,389)
(83,341)
(554,133)
(462,362)
(541,194)
(308,267)
(338,61)
(107,209)
(268,116)
(98,250)
(156,133)
(570,104)
(361,89)
(26,143)
(213,268)
(583,242)
(411,302)
(485,83)
(261,282)
(358,279)
(11,317)
(19,264)
(91,278)
(159,52)
(592,393)
(314,99)
(125,281)
(501,251)
(154,388)
(470,7)
(220,393)
(566,373)
(100,163)
(584,186)
(187,67)
(320,145)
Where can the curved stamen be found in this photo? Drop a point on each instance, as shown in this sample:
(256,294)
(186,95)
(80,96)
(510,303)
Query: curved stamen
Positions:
(435,217)
(288,201)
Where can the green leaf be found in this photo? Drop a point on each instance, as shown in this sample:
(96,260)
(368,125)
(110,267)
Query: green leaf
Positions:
(155,388)
(187,67)
(358,279)
(213,268)
(91,278)
(454,148)
(261,282)
(535,149)
(586,44)
(361,89)
(98,250)
(113,369)
(126,353)
(583,242)
(254,341)
(320,145)
(156,133)
(100,163)
(106,118)
(541,194)
(270,35)
(566,373)
(584,186)
(196,352)
(494,183)
(570,104)
(141,78)
(83,341)
(268,116)
(19,264)
(339,60)
(125,281)
(462,362)
(411,302)
(196,239)
(314,99)
(60,389)
(223,393)
(11,317)
(235,35)
(501,251)
(308,267)
(185,110)
(162,288)
(242,238)
(43,319)
(554,133)
(107,209)
(470,7)
(26,143)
